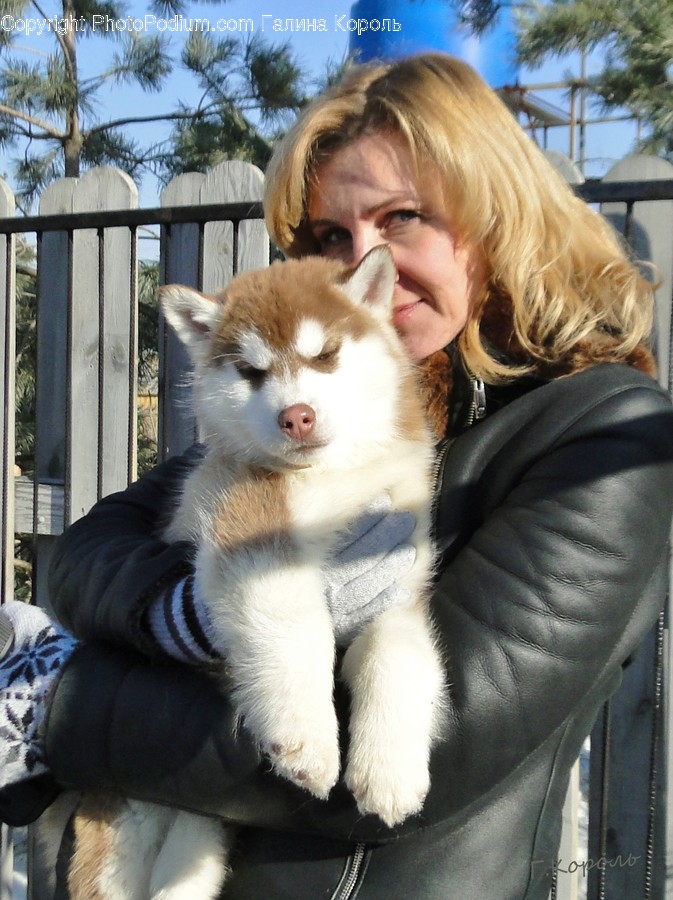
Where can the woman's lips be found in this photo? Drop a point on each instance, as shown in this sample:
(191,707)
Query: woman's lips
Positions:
(402,313)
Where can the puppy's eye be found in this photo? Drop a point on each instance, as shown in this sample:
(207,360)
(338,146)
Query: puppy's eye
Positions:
(250,373)
(327,354)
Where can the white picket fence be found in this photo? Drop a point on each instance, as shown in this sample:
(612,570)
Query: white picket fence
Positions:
(208,227)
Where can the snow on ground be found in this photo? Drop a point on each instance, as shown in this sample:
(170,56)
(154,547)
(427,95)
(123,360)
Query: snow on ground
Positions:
(20,885)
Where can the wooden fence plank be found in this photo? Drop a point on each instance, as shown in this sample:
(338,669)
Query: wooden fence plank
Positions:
(101,397)
(207,262)
(84,399)
(49,518)
(72,372)
(51,401)
(179,262)
(564,166)
(228,182)
(649,234)
(83,395)
(619,819)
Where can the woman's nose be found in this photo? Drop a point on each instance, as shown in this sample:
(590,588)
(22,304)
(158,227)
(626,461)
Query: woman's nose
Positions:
(363,242)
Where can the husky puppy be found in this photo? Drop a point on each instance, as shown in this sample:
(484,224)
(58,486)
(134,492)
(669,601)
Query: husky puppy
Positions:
(309,409)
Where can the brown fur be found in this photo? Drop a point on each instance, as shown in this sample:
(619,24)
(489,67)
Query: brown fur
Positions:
(258,489)
(277,288)
(436,381)
(94,838)
(436,372)
(314,280)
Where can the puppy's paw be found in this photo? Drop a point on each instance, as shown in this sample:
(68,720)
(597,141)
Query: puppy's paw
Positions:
(309,762)
(391,789)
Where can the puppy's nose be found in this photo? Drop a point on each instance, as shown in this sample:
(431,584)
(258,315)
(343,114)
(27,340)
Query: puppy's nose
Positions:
(297,421)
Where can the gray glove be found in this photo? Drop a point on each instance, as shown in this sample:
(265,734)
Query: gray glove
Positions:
(361,581)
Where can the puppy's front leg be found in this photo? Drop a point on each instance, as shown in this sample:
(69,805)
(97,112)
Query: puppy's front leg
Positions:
(396,681)
(272,619)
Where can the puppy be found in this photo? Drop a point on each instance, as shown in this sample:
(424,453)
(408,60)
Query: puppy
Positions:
(309,409)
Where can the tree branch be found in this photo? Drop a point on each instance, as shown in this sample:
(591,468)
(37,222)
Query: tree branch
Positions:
(32,136)
(31,120)
(59,38)
(136,120)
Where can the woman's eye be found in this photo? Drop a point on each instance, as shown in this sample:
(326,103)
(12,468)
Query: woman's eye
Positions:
(404,215)
(332,240)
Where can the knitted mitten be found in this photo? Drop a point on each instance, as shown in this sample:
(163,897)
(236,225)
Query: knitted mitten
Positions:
(180,624)
(33,652)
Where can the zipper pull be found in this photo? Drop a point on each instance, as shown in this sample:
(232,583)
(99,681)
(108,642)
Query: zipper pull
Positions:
(478,399)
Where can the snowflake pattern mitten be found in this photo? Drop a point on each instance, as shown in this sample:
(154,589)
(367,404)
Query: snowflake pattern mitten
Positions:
(35,652)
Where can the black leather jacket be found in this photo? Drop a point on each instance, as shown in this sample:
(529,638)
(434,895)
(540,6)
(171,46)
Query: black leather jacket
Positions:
(553,519)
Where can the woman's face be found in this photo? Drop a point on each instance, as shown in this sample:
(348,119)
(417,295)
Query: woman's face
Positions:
(368,194)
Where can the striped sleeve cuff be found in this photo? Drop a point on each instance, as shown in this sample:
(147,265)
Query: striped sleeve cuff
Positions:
(180,624)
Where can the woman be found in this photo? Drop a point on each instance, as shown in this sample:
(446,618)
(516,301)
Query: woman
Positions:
(553,507)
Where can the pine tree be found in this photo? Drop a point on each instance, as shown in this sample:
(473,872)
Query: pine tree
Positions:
(49,109)
(478,15)
(238,117)
(636,40)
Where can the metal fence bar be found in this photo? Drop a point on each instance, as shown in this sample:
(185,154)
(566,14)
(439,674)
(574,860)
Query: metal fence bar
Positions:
(112,218)
(7,372)
(7,273)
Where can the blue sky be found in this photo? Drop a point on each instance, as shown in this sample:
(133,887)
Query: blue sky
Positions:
(604,142)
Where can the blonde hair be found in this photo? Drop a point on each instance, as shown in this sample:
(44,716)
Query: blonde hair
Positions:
(555,265)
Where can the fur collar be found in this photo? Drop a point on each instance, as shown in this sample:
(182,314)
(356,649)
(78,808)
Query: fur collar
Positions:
(444,382)
(496,328)
(436,383)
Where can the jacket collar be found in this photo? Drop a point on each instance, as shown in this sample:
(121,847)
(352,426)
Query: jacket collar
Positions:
(466,395)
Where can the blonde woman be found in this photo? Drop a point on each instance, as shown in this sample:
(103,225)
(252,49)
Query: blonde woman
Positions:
(555,488)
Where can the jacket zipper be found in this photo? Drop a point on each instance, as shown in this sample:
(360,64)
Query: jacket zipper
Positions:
(437,472)
(352,873)
(478,406)
(477,411)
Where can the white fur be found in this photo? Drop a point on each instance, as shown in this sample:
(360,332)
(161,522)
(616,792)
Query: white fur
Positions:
(242,421)
(392,670)
(267,606)
(256,350)
(137,834)
(192,860)
(280,647)
(310,339)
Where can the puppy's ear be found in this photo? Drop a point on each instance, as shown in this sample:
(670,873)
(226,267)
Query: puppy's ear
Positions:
(373,281)
(192,315)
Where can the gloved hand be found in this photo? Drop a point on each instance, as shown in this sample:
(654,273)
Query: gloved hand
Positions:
(33,653)
(362,580)
(360,583)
